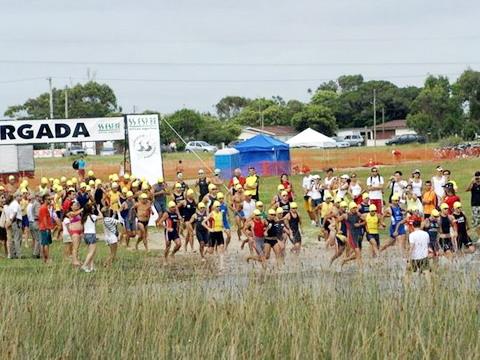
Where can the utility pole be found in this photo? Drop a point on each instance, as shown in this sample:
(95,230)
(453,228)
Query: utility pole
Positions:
(383,123)
(261,117)
(66,102)
(52,146)
(374,117)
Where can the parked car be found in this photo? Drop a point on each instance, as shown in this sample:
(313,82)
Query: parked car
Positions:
(200,146)
(107,152)
(74,150)
(406,139)
(354,139)
(340,143)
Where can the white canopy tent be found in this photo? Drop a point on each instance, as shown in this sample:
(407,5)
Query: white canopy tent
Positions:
(311,138)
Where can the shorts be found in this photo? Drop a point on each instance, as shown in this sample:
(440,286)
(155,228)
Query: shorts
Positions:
(375,237)
(354,240)
(3,234)
(90,239)
(475,216)
(260,245)
(67,239)
(161,207)
(271,241)
(144,223)
(464,240)
(172,235)
(308,204)
(59,215)
(297,237)
(419,265)
(216,239)
(202,236)
(401,230)
(316,202)
(226,225)
(446,244)
(25,222)
(81,173)
(340,241)
(111,239)
(434,246)
(130,225)
(378,203)
(45,237)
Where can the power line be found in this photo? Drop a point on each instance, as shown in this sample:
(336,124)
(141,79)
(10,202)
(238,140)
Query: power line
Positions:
(231,64)
(21,80)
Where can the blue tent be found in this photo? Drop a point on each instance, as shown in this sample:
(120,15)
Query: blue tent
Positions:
(268,155)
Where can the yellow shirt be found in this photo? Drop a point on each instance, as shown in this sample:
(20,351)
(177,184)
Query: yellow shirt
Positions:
(114,200)
(251,182)
(217,221)
(372,223)
(57,201)
(23,206)
(326,208)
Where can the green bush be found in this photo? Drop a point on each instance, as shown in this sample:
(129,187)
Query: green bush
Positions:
(450,141)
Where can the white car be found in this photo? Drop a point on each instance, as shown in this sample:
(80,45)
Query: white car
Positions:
(107,152)
(200,146)
(354,139)
(340,142)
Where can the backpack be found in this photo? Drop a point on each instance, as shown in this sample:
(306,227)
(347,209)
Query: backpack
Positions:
(75,165)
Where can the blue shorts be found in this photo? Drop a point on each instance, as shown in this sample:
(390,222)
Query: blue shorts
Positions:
(226,225)
(90,239)
(25,222)
(401,230)
(45,237)
(130,225)
(161,207)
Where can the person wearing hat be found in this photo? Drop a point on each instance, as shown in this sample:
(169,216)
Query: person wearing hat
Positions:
(81,165)
(130,208)
(461,229)
(189,207)
(237,205)
(90,177)
(283,203)
(171,221)
(83,197)
(179,199)
(259,229)
(417,183)
(181,181)
(43,187)
(343,185)
(450,197)
(252,183)
(438,181)
(217,178)
(126,181)
(159,194)
(431,226)
(144,211)
(11,186)
(375,184)
(338,229)
(201,232)
(307,182)
(226,223)
(285,232)
(355,225)
(202,184)
(249,204)
(278,196)
(210,198)
(397,225)
(327,212)
(214,224)
(447,222)
(237,179)
(273,232)
(295,225)
(373,222)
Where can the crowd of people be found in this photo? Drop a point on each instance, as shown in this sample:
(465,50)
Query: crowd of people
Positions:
(425,217)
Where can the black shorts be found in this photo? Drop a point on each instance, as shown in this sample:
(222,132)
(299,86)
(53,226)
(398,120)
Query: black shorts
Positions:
(144,223)
(172,235)
(464,240)
(297,237)
(339,241)
(271,241)
(420,265)
(326,224)
(59,215)
(434,246)
(446,244)
(202,236)
(3,234)
(216,239)
(375,237)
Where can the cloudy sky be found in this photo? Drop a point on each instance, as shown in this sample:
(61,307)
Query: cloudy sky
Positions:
(165,55)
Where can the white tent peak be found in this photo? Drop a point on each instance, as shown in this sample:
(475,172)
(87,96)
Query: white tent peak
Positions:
(311,138)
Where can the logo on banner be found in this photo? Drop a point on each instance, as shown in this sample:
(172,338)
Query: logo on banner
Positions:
(144,146)
(108,127)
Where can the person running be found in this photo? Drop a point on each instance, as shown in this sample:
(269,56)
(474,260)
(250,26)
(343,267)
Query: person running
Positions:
(450,197)
(283,203)
(159,193)
(252,182)
(307,182)
(474,189)
(355,225)
(295,224)
(431,225)
(171,221)
(259,227)
(89,220)
(338,228)
(110,225)
(287,186)
(285,232)
(211,197)
(226,223)
(273,232)
(447,222)
(278,196)
(202,184)
(461,229)
(397,225)
(419,241)
(144,211)
(201,232)
(45,225)
(373,222)
(214,223)
(238,214)
(189,206)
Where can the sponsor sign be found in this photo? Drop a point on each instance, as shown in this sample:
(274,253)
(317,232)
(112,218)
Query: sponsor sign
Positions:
(144,146)
(55,131)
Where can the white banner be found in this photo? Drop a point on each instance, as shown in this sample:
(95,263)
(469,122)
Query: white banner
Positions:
(57,130)
(144,146)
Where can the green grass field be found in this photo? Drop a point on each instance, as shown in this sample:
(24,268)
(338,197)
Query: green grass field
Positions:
(139,308)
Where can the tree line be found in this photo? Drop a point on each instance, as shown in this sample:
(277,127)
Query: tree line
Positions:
(438,109)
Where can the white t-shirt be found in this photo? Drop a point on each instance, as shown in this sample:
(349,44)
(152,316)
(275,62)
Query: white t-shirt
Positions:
(328,182)
(315,194)
(110,227)
(355,189)
(417,187)
(419,240)
(398,187)
(248,208)
(14,211)
(438,186)
(307,183)
(89,226)
(375,181)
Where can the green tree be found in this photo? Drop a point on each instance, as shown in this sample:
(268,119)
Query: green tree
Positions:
(88,100)
(467,92)
(317,117)
(349,82)
(229,106)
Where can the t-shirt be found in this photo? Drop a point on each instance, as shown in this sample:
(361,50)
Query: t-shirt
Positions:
(44,219)
(375,181)
(372,223)
(429,200)
(398,187)
(307,184)
(89,226)
(419,240)
(81,164)
(438,186)
(111,231)
(252,182)
(475,200)
(248,208)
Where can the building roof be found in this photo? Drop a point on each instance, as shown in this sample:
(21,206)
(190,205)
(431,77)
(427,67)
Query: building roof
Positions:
(261,142)
(273,130)
(393,125)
